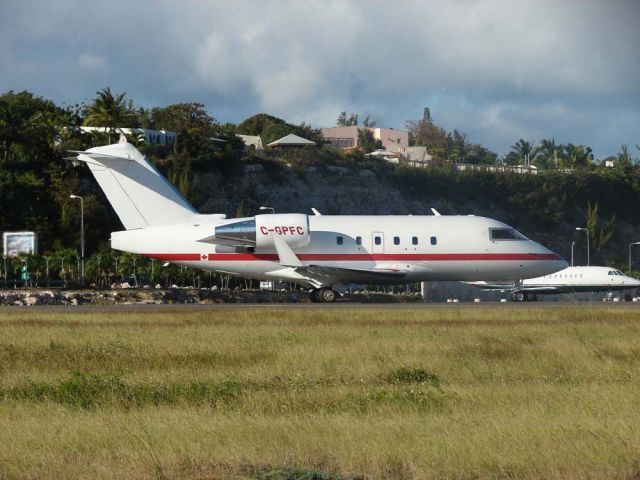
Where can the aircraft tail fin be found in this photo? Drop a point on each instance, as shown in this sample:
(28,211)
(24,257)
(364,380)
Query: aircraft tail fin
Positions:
(140,196)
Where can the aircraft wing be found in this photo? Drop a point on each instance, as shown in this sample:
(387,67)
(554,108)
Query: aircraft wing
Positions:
(548,288)
(486,286)
(321,275)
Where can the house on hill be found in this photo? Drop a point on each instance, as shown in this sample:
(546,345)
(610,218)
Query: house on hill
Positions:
(149,136)
(347,137)
(251,142)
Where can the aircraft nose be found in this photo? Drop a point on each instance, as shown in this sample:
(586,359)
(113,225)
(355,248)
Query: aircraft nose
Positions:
(632,282)
(558,264)
(551,262)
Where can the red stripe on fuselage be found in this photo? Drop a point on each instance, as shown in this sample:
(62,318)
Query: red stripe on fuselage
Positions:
(175,256)
(355,257)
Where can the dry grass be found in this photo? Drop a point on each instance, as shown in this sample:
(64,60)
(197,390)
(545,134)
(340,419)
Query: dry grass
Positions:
(280,394)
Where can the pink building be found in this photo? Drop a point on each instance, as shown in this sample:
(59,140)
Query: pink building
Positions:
(347,137)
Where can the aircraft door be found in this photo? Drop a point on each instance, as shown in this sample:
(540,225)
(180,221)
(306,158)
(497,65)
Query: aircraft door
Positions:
(377,242)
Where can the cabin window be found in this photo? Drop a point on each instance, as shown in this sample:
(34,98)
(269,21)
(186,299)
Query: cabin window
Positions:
(340,239)
(396,240)
(434,241)
(505,234)
(377,240)
(414,240)
(610,272)
(358,240)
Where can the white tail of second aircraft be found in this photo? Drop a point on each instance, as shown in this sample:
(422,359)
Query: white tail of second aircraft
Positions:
(140,196)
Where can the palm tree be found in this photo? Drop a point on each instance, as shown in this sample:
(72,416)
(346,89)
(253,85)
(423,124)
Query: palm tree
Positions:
(109,111)
(578,156)
(525,150)
(548,151)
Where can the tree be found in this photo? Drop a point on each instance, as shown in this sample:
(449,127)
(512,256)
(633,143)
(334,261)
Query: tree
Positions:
(191,122)
(366,140)
(525,151)
(351,121)
(480,155)
(624,159)
(424,133)
(271,128)
(456,146)
(110,112)
(547,154)
(599,236)
(577,156)
(426,116)
(30,129)
(368,122)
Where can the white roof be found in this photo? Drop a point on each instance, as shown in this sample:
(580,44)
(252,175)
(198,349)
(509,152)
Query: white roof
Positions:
(251,140)
(291,139)
(381,153)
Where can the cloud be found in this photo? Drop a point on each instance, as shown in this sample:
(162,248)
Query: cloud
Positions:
(496,69)
(88,61)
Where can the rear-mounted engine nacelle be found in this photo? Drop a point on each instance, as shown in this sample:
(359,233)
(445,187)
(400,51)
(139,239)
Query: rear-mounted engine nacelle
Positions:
(260,231)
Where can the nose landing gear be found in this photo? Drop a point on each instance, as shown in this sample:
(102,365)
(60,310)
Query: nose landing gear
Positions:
(323,295)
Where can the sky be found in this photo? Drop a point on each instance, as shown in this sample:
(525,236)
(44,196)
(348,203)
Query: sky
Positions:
(497,70)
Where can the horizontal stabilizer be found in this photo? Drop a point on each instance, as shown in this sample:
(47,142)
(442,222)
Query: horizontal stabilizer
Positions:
(96,156)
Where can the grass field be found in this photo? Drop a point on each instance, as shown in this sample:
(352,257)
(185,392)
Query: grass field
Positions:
(339,394)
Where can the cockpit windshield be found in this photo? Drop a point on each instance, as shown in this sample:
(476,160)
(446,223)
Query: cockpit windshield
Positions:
(498,234)
(615,272)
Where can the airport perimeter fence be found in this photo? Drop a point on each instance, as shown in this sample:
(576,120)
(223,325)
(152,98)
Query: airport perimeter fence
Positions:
(64,269)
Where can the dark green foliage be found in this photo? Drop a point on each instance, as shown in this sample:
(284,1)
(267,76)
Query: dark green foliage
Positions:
(366,141)
(413,375)
(271,128)
(110,111)
(87,391)
(292,473)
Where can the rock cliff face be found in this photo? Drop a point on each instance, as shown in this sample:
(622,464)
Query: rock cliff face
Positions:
(330,189)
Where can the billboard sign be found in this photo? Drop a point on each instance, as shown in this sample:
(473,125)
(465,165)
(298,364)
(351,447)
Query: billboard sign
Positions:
(16,243)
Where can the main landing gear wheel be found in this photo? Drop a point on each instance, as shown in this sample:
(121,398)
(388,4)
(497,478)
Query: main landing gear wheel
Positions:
(520,297)
(323,295)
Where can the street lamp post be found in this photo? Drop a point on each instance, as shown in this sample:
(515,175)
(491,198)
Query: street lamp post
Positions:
(573,244)
(81,232)
(47,260)
(632,243)
(586,230)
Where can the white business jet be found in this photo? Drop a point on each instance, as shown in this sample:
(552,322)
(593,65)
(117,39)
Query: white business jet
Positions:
(569,280)
(318,251)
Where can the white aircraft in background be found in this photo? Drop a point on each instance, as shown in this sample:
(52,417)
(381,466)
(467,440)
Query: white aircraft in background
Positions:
(569,280)
(319,251)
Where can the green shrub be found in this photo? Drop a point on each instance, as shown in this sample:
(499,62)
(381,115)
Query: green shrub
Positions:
(413,375)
